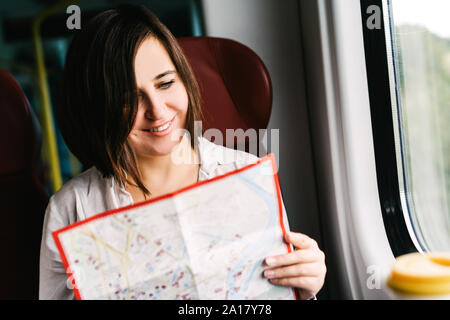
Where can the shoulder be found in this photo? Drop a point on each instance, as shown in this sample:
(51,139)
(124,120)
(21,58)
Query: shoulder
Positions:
(81,183)
(64,208)
(217,159)
(67,200)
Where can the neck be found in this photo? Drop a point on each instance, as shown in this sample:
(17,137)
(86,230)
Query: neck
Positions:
(157,169)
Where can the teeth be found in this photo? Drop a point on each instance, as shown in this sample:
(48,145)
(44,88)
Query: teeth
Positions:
(164,127)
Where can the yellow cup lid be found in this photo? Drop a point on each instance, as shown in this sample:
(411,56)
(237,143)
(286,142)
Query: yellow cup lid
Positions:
(421,273)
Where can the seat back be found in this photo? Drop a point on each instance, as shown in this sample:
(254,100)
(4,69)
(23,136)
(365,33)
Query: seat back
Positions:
(235,85)
(23,198)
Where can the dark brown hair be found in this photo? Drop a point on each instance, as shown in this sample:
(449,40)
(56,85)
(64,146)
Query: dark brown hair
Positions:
(98,104)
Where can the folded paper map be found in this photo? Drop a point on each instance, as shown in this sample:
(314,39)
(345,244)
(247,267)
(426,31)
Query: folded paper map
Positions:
(205,241)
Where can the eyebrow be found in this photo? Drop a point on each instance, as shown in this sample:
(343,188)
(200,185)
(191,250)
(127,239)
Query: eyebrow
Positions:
(159,76)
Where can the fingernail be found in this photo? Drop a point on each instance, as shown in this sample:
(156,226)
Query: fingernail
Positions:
(268,273)
(274,280)
(270,261)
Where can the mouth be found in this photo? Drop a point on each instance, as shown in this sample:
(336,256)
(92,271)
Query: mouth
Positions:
(162,129)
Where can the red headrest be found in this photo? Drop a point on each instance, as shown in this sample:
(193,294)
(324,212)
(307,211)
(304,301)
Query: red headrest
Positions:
(235,85)
(20,138)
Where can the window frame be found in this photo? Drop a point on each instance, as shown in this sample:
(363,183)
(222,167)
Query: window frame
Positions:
(354,234)
(385,106)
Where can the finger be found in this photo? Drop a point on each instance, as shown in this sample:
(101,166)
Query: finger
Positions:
(297,270)
(298,256)
(300,240)
(296,282)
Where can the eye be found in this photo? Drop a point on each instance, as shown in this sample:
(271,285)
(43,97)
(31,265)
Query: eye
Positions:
(166,85)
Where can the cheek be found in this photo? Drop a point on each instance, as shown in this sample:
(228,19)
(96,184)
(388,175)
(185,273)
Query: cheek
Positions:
(138,119)
(181,99)
(133,140)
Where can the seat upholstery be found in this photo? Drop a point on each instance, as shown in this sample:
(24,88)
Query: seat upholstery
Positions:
(234,83)
(22,196)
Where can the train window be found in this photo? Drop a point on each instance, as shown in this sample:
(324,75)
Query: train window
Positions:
(411,92)
(421,37)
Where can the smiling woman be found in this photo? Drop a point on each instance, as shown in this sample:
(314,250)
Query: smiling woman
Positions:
(128,92)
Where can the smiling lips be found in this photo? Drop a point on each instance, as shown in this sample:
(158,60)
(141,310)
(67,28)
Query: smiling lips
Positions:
(161,130)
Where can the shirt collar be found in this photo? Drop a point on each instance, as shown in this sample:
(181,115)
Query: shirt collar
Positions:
(209,157)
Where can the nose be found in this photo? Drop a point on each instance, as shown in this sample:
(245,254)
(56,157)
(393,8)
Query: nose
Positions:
(155,107)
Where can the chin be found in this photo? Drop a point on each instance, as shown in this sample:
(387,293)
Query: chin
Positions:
(165,149)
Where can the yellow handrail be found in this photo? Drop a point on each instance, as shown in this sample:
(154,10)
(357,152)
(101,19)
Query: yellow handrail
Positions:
(49,128)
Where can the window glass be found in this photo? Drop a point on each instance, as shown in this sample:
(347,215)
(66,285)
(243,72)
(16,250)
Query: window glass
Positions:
(421,45)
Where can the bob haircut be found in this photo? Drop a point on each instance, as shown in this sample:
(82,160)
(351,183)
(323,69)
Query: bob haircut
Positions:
(99,96)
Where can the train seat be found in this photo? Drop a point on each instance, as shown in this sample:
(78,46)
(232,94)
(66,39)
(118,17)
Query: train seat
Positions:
(23,199)
(235,85)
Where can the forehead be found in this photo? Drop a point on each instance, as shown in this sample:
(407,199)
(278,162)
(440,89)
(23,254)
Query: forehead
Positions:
(151,60)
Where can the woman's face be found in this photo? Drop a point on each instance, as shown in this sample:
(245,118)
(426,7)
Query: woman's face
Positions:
(163,101)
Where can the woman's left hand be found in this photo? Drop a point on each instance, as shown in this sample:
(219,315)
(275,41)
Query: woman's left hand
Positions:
(304,268)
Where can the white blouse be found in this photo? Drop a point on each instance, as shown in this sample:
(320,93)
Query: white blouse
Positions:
(89,194)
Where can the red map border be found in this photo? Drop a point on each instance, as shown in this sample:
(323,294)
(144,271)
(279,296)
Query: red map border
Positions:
(269,157)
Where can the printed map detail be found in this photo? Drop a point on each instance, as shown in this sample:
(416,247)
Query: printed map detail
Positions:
(208,241)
